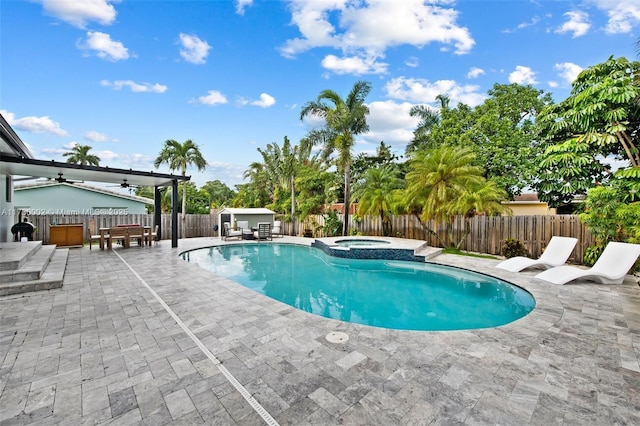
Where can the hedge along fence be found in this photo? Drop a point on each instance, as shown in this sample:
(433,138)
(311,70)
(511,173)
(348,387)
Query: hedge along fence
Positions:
(487,235)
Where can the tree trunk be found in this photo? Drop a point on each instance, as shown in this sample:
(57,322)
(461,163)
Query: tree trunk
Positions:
(347,200)
(293,206)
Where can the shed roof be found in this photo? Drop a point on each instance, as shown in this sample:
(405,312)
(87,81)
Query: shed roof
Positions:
(252,210)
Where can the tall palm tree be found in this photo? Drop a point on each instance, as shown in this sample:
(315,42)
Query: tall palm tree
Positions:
(429,118)
(344,118)
(376,195)
(443,183)
(79,154)
(179,156)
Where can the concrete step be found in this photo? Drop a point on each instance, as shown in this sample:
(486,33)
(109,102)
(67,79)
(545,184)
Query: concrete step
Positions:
(51,278)
(428,252)
(33,268)
(14,255)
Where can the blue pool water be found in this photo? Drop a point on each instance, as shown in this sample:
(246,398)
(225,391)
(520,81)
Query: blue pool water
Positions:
(382,293)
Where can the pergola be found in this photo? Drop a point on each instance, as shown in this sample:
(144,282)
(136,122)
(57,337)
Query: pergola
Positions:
(14,165)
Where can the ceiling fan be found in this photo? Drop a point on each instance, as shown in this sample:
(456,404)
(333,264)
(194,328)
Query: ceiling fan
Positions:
(126,185)
(61,179)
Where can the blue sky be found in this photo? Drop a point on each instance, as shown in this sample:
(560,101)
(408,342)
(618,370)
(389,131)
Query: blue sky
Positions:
(124,76)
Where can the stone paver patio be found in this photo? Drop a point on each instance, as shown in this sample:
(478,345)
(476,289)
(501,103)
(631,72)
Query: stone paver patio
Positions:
(140,337)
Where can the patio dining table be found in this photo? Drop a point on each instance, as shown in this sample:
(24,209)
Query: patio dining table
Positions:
(104,234)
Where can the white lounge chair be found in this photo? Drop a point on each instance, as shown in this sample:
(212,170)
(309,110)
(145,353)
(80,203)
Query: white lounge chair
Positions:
(276,230)
(611,267)
(556,254)
(230,233)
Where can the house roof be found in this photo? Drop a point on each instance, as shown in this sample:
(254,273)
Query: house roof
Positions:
(255,210)
(83,186)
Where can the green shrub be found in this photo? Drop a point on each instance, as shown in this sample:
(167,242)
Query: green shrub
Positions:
(513,248)
(591,255)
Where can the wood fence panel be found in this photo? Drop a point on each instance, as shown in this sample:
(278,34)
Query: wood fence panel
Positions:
(487,234)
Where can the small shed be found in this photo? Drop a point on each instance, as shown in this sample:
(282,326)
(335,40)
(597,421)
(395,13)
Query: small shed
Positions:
(251,215)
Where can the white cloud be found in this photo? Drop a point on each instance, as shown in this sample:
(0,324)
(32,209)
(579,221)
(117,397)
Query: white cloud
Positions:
(553,84)
(523,25)
(34,124)
(412,62)
(241,5)
(104,47)
(422,91)
(194,49)
(265,101)
(578,24)
(213,97)
(354,65)
(94,136)
(568,71)
(523,75)
(623,14)
(390,122)
(135,87)
(475,72)
(80,13)
(365,30)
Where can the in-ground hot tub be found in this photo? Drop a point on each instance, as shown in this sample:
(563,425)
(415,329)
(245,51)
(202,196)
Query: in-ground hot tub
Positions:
(366,248)
(360,242)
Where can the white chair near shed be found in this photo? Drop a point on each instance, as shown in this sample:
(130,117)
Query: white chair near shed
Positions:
(243,226)
(230,233)
(276,230)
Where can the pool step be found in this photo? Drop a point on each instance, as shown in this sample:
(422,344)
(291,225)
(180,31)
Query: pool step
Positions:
(428,252)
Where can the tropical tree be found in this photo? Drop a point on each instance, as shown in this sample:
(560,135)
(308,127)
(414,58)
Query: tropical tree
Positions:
(429,118)
(79,154)
(179,156)
(444,182)
(599,120)
(344,119)
(219,194)
(377,194)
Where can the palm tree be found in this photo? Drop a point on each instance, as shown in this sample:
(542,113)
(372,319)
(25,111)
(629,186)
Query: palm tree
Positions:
(79,154)
(179,156)
(443,183)
(376,195)
(282,165)
(344,118)
(429,118)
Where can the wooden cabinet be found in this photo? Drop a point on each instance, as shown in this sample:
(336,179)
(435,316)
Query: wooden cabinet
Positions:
(70,234)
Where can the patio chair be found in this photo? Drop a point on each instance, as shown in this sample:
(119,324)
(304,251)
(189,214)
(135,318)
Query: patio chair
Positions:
(610,268)
(276,230)
(556,254)
(90,233)
(152,235)
(230,233)
(263,232)
(118,234)
(247,232)
(135,233)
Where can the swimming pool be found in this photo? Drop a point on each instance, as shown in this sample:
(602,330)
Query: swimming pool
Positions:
(382,293)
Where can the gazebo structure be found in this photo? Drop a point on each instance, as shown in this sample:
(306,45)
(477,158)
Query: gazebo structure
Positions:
(17,160)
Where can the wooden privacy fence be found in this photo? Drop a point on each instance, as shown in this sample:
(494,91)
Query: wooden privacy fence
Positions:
(487,234)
